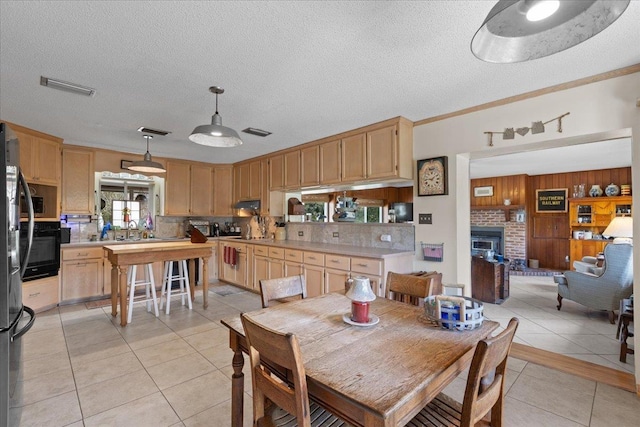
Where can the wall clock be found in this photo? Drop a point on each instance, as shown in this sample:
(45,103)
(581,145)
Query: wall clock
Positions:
(432,176)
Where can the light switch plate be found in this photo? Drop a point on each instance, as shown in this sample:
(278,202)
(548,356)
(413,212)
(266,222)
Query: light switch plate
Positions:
(425,218)
(300,233)
(336,234)
(385,238)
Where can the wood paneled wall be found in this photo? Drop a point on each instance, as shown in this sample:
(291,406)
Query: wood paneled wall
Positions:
(548,233)
(504,187)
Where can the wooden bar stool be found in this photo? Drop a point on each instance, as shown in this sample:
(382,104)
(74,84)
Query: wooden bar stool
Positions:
(183,279)
(149,285)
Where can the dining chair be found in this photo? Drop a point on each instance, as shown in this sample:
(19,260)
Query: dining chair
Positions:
(284,287)
(286,405)
(484,390)
(413,289)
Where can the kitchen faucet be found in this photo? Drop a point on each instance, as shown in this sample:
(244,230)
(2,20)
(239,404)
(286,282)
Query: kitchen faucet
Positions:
(128,229)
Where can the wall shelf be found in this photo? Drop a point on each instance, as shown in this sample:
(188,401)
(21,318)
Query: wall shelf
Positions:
(505,208)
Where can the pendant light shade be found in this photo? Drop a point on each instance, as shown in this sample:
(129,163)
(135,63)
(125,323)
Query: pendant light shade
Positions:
(147,165)
(522,30)
(215,135)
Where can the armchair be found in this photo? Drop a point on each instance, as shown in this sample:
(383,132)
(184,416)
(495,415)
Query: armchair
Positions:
(602,292)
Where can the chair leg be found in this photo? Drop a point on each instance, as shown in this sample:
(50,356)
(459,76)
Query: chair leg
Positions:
(132,290)
(612,317)
(153,289)
(187,288)
(559,302)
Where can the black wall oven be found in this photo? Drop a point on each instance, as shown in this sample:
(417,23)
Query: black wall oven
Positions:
(44,259)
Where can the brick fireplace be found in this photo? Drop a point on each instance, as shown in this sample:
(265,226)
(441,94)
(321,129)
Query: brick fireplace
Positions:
(514,232)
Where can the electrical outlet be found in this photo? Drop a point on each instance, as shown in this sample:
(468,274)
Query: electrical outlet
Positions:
(385,238)
(425,218)
(300,233)
(336,234)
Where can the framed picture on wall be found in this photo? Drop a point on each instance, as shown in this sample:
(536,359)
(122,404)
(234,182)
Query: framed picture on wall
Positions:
(551,201)
(432,177)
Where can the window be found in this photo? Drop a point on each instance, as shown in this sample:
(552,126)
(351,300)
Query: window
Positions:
(318,211)
(369,214)
(118,212)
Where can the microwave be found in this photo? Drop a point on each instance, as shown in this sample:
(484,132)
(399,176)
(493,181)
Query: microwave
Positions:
(38,206)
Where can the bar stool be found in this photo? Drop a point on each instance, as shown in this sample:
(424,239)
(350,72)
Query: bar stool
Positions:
(150,289)
(183,279)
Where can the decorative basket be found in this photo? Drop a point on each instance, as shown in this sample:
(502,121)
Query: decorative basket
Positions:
(455,313)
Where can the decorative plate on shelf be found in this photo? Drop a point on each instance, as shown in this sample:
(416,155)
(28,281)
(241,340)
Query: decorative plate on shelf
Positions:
(612,190)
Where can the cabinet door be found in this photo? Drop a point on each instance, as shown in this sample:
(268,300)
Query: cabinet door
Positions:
(222,191)
(241,269)
(310,166)
(354,157)
(265,193)
(276,172)
(276,268)
(201,190)
(255,177)
(27,155)
(81,279)
(330,162)
(314,276)
(335,280)
(260,270)
(293,269)
(78,181)
(178,180)
(41,294)
(292,169)
(382,153)
(49,160)
(242,177)
(603,213)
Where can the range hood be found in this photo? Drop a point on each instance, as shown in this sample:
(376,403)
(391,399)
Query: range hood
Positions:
(251,205)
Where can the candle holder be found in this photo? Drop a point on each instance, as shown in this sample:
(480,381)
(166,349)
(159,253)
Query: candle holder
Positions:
(361,295)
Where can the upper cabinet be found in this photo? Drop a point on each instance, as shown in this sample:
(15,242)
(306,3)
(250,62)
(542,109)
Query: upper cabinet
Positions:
(78,181)
(292,169)
(382,152)
(247,179)
(177,199)
(310,166)
(354,157)
(330,162)
(201,190)
(223,188)
(276,172)
(40,156)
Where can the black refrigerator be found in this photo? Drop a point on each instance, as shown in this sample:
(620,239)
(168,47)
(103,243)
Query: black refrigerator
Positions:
(15,320)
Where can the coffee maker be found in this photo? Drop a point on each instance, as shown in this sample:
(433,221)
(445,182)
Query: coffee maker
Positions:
(215,229)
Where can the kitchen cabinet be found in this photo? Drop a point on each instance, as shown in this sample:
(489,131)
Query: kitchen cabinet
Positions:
(40,156)
(338,269)
(78,181)
(313,267)
(237,274)
(292,169)
(593,214)
(382,152)
(189,189)
(247,179)
(177,199)
(222,191)
(82,273)
(276,172)
(201,190)
(265,191)
(354,157)
(41,294)
(330,162)
(310,166)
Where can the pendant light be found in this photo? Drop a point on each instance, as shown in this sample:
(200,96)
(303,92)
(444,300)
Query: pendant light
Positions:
(147,165)
(522,30)
(215,135)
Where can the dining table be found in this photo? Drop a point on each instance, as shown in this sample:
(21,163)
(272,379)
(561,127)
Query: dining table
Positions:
(379,375)
(123,256)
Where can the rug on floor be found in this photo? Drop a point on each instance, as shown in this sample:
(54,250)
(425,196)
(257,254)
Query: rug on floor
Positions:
(98,303)
(225,290)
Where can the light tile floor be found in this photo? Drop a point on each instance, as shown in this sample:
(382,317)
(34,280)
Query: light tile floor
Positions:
(82,369)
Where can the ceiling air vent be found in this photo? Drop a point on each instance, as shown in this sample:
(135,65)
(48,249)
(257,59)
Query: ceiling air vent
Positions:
(153,131)
(257,132)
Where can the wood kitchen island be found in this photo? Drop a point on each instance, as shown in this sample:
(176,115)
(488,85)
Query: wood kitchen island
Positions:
(124,256)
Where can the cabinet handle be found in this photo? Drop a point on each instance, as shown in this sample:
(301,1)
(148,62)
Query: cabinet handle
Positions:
(84,264)
(312,257)
(82,254)
(335,261)
(363,265)
(34,295)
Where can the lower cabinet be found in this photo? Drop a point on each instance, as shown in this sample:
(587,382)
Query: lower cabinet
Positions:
(237,274)
(41,294)
(81,279)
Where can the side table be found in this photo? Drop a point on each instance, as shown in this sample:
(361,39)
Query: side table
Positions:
(623,332)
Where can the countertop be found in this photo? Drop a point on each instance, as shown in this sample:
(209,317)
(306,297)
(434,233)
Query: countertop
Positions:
(366,252)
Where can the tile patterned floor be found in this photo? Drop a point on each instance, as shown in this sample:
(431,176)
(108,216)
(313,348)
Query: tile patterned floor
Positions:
(82,369)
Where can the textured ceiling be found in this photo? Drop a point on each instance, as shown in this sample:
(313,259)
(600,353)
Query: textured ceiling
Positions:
(302,70)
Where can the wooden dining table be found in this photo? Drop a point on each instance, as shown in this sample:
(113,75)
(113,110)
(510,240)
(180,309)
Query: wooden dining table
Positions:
(123,256)
(373,376)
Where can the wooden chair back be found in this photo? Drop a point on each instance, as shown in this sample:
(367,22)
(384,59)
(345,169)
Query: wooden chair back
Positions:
(283,350)
(285,287)
(485,383)
(413,289)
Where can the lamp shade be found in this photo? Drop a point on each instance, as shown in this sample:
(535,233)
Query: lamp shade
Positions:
(215,135)
(510,33)
(147,164)
(621,226)
(361,291)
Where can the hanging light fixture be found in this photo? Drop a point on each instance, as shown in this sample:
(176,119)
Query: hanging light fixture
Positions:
(147,165)
(215,135)
(522,30)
